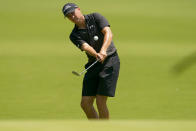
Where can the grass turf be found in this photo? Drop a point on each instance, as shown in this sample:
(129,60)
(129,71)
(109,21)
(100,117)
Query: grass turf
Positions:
(51,125)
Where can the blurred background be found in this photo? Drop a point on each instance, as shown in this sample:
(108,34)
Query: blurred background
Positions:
(156,42)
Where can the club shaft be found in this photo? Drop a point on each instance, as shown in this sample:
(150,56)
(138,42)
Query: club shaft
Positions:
(89,67)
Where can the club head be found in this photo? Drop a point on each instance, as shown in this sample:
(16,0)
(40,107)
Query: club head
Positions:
(75,73)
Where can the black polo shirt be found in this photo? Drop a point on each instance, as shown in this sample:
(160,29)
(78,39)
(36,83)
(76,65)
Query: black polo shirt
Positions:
(94,23)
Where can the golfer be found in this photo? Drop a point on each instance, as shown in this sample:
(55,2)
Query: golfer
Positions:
(93,35)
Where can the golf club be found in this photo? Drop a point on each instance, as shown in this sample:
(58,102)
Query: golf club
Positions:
(79,74)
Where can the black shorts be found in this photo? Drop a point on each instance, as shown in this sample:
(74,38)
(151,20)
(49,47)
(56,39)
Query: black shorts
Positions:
(101,79)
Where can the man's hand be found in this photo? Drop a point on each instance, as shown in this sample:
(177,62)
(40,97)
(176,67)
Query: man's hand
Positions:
(101,56)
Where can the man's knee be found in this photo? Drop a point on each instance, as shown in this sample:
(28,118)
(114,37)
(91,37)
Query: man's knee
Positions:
(86,102)
(101,101)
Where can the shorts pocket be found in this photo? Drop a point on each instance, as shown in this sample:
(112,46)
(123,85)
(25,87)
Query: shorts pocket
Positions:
(106,72)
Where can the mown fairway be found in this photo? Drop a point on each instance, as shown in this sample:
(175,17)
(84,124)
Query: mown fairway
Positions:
(51,125)
(155,40)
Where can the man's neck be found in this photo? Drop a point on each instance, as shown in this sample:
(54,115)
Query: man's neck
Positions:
(82,24)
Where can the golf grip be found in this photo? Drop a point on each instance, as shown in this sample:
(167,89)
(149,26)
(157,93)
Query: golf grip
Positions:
(93,64)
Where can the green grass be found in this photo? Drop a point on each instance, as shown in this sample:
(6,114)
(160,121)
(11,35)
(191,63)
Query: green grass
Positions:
(52,125)
(152,37)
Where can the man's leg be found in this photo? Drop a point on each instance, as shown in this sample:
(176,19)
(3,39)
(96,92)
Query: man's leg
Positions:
(87,106)
(102,107)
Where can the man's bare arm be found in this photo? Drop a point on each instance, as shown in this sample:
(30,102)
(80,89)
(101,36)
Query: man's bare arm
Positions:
(107,38)
(106,43)
(88,49)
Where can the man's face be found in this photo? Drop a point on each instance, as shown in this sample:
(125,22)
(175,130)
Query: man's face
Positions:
(75,16)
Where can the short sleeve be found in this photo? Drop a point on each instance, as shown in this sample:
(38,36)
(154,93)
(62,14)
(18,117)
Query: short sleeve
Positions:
(76,40)
(101,20)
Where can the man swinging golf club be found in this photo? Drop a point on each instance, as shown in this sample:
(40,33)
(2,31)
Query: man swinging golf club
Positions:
(93,35)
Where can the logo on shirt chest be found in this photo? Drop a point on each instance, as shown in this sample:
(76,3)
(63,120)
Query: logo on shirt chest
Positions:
(92,26)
